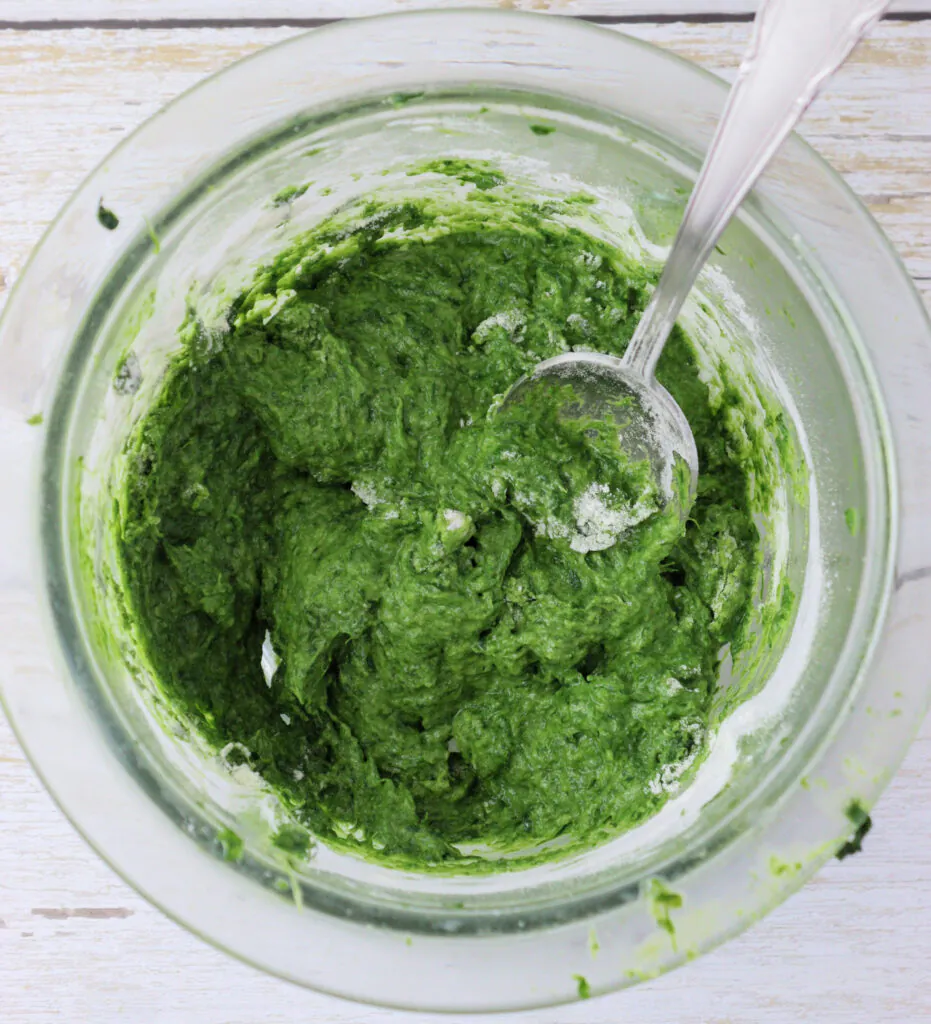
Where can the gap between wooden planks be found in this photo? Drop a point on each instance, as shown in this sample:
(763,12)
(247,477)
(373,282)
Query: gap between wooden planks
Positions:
(41,12)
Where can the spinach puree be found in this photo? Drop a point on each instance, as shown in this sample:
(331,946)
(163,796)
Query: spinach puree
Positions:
(427,627)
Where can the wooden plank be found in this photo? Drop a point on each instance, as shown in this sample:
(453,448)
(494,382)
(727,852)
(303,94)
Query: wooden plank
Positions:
(33,11)
(77,945)
(872,123)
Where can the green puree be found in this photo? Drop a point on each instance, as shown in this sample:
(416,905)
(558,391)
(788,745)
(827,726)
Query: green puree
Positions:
(476,628)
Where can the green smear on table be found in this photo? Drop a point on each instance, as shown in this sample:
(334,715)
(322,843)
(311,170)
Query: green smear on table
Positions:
(862,823)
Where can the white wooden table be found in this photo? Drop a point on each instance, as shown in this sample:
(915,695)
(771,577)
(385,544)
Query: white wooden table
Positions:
(76,944)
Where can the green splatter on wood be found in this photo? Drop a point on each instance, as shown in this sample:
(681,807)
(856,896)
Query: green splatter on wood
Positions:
(858,816)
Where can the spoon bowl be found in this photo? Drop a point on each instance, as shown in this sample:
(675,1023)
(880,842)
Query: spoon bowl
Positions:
(651,426)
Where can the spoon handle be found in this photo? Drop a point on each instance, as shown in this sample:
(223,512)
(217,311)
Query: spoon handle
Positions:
(796,47)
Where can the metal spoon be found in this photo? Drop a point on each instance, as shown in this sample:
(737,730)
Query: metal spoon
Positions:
(797,45)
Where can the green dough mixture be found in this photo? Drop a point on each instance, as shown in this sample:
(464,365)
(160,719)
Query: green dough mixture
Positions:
(428,625)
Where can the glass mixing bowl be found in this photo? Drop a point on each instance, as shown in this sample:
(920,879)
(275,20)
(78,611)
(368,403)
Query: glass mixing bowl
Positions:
(804,289)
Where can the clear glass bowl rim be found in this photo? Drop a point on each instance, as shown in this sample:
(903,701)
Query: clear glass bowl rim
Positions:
(891,736)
